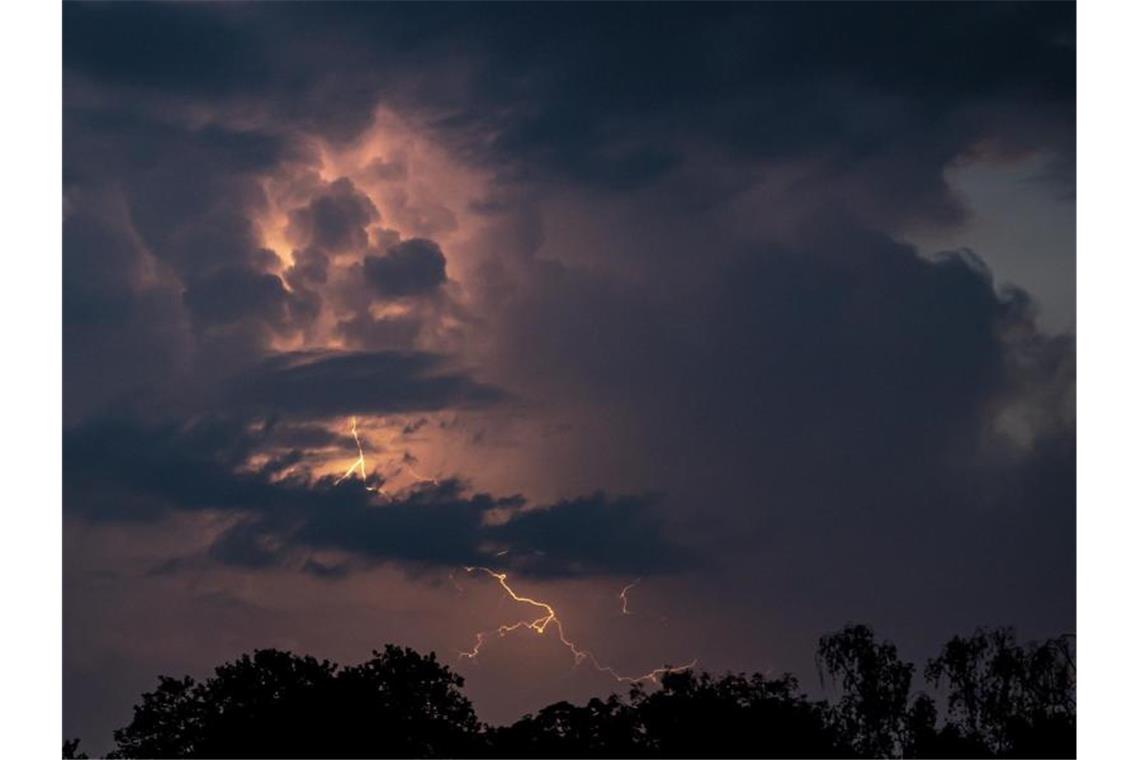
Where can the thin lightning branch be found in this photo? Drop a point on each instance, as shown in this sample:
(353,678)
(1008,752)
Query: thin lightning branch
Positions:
(407,466)
(624,601)
(420,478)
(550,618)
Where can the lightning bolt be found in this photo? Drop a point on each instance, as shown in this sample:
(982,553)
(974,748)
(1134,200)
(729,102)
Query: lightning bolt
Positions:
(540,624)
(624,600)
(359,463)
(360,466)
(549,618)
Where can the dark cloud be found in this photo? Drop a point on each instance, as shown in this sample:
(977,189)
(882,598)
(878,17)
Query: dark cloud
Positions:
(318,384)
(160,238)
(594,533)
(99,276)
(119,338)
(336,220)
(120,470)
(158,51)
(837,403)
(769,84)
(106,43)
(231,295)
(366,332)
(310,268)
(847,329)
(844,85)
(190,190)
(410,268)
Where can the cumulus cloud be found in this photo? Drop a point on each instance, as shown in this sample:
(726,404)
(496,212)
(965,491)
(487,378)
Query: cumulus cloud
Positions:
(410,268)
(336,220)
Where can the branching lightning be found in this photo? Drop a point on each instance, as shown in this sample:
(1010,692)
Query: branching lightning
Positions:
(359,465)
(550,618)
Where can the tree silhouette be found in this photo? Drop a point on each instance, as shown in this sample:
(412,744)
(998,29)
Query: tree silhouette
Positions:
(71,750)
(925,739)
(872,713)
(600,728)
(1004,699)
(1017,701)
(276,704)
(689,716)
(733,716)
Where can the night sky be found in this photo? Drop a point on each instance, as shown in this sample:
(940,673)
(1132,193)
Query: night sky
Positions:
(765,309)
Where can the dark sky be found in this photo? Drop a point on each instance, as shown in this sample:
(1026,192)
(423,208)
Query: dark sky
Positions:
(767,306)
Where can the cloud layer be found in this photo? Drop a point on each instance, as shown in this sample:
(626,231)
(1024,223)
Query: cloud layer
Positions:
(118,471)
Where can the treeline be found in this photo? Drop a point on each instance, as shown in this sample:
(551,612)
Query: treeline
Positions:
(1002,698)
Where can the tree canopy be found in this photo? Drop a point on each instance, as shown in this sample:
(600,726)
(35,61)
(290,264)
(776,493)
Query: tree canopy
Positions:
(1002,698)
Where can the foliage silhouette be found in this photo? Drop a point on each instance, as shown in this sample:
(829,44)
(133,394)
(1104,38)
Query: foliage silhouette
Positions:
(71,750)
(872,713)
(689,716)
(276,704)
(1018,701)
(734,716)
(1003,699)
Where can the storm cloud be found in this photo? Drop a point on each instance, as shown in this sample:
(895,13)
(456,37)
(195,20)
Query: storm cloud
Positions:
(661,308)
